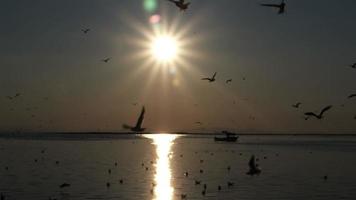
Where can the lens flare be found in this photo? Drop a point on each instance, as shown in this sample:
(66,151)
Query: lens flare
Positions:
(164,48)
(150,5)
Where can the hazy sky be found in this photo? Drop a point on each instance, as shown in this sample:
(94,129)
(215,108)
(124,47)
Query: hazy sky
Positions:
(303,55)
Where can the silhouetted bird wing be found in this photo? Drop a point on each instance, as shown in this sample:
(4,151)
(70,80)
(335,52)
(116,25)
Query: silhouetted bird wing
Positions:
(271,5)
(310,114)
(252,163)
(214,75)
(351,96)
(325,109)
(125,126)
(140,119)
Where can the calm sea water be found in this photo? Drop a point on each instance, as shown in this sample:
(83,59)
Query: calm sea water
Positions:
(154,167)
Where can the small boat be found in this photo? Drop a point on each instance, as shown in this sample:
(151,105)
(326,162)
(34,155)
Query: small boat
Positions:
(229,137)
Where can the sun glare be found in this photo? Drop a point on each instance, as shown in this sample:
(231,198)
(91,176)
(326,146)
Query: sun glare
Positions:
(164,48)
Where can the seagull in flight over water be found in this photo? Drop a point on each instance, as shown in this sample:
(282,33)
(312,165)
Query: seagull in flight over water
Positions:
(85,31)
(351,96)
(297,105)
(281,7)
(138,127)
(181,4)
(318,116)
(212,79)
(106,60)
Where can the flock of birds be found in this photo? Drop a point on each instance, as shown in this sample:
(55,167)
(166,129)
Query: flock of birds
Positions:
(252,166)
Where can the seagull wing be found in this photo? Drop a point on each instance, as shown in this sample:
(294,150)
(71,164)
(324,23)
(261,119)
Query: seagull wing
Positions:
(214,75)
(352,96)
(310,114)
(140,119)
(125,126)
(270,5)
(252,163)
(325,109)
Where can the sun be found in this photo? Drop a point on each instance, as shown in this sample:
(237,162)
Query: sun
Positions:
(164,48)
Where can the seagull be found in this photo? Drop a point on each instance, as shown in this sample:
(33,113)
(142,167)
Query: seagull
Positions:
(181,4)
(106,60)
(228,81)
(297,105)
(64,185)
(212,79)
(353,66)
(281,6)
(85,31)
(13,97)
(320,115)
(254,169)
(351,96)
(138,127)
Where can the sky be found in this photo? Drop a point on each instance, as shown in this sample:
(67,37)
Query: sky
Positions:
(300,56)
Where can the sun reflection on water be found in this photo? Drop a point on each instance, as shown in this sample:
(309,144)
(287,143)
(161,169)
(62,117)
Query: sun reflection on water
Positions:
(163,142)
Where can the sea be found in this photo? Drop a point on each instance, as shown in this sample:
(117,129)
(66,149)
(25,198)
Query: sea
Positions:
(171,167)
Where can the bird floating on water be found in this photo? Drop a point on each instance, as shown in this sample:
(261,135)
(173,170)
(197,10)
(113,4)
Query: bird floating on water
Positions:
(138,127)
(281,7)
(212,79)
(318,116)
(254,169)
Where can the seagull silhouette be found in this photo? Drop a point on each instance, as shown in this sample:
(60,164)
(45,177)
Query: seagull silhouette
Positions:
(319,116)
(281,6)
(351,96)
(106,60)
(228,80)
(13,97)
(297,105)
(85,31)
(254,169)
(212,79)
(138,127)
(181,4)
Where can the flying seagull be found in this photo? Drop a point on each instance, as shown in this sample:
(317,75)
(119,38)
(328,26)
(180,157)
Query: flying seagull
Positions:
(85,31)
(319,116)
(254,169)
(138,127)
(13,97)
(297,105)
(281,6)
(228,80)
(351,96)
(181,4)
(212,79)
(106,60)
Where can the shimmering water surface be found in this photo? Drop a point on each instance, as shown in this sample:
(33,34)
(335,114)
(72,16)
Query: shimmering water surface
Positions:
(163,167)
